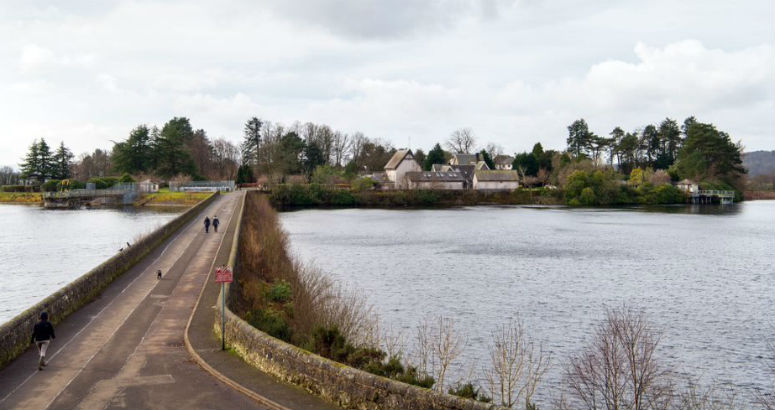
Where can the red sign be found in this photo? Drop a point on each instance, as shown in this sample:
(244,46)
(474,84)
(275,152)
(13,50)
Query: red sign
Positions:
(224,275)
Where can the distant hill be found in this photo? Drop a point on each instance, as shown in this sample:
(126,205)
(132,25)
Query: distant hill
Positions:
(759,162)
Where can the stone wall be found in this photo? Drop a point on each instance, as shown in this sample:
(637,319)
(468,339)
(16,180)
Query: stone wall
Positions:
(15,334)
(346,386)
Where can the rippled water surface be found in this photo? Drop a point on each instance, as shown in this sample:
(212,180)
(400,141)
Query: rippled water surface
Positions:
(42,250)
(705,276)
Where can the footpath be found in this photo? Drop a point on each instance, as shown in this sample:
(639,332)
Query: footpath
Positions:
(126,349)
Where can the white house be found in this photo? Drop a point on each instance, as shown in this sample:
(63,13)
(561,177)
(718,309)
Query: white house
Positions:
(148,186)
(503,162)
(402,162)
(435,180)
(496,180)
(688,186)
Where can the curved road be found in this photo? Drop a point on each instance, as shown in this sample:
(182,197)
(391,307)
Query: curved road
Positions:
(125,350)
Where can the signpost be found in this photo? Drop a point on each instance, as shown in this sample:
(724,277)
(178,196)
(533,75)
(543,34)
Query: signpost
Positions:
(223,275)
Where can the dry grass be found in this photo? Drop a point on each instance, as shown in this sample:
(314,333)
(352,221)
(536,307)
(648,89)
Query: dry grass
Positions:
(317,301)
(174,198)
(21,197)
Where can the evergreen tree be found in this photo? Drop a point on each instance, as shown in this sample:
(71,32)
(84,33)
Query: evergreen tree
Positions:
(487,159)
(170,148)
(133,156)
(63,160)
(709,154)
(579,137)
(435,156)
(31,166)
(45,160)
(251,145)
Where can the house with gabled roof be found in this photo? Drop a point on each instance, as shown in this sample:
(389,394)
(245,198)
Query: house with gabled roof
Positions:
(402,162)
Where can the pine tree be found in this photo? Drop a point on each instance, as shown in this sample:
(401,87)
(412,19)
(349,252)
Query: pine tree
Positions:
(252,143)
(63,159)
(45,160)
(133,155)
(172,156)
(31,165)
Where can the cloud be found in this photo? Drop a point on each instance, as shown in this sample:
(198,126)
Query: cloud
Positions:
(386,19)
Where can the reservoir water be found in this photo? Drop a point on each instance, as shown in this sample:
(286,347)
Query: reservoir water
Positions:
(43,250)
(705,276)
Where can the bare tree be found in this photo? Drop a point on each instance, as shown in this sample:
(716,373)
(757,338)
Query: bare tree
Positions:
(447,346)
(341,146)
(394,342)
(461,141)
(516,368)
(493,150)
(618,370)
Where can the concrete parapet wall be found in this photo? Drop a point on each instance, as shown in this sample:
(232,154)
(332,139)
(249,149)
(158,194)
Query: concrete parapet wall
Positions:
(346,386)
(15,334)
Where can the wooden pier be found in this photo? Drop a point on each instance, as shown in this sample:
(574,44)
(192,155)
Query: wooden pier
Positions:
(712,196)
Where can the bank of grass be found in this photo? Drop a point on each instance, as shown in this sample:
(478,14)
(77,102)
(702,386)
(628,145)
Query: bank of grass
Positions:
(21,197)
(298,304)
(167,198)
(296,196)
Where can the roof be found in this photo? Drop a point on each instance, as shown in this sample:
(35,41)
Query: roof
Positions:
(464,159)
(501,175)
(466,170)
(440,167)
(397,158)
(429,176)
(503,159)
(686,182)
(482,165)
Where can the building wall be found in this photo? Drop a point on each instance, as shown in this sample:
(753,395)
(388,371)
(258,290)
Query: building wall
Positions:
(407,165)
(503,166)
(450,185)
(495,185)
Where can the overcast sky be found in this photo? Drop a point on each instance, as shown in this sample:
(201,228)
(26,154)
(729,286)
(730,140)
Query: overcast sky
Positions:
(516,72)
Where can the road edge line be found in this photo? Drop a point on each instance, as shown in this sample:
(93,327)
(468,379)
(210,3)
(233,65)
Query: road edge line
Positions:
(193,353)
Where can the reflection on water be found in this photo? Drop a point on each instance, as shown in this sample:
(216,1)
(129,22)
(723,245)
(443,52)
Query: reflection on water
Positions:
(704,275)
(43,250)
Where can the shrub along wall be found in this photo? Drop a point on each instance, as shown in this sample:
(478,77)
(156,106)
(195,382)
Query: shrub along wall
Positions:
(15,334)
(336,382)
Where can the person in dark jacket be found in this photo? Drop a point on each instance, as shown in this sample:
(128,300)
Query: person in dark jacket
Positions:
(216,222)
(207,224)
(41,336)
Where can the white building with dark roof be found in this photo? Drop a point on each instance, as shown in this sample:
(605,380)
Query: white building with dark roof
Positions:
(496,180)
(435,180)
(503,162)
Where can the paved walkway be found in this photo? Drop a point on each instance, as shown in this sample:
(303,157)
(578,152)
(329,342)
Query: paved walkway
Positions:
(126,350)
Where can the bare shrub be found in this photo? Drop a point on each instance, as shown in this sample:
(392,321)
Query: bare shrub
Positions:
(695,397)
(618,369)
(516,367)
(446,345)
(423,355)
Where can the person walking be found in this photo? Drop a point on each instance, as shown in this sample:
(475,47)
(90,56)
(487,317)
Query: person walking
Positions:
(158,274)
(42,334)
(207,224)
(216,222)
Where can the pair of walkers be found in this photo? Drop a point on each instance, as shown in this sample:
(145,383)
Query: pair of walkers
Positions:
(215,222)
(42,334)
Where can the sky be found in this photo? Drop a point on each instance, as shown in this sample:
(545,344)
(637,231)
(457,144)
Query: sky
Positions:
(406,71)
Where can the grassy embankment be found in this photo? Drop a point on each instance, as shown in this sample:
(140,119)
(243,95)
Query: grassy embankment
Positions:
(166,198)
(297,196)
(298,304)
(21,197)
